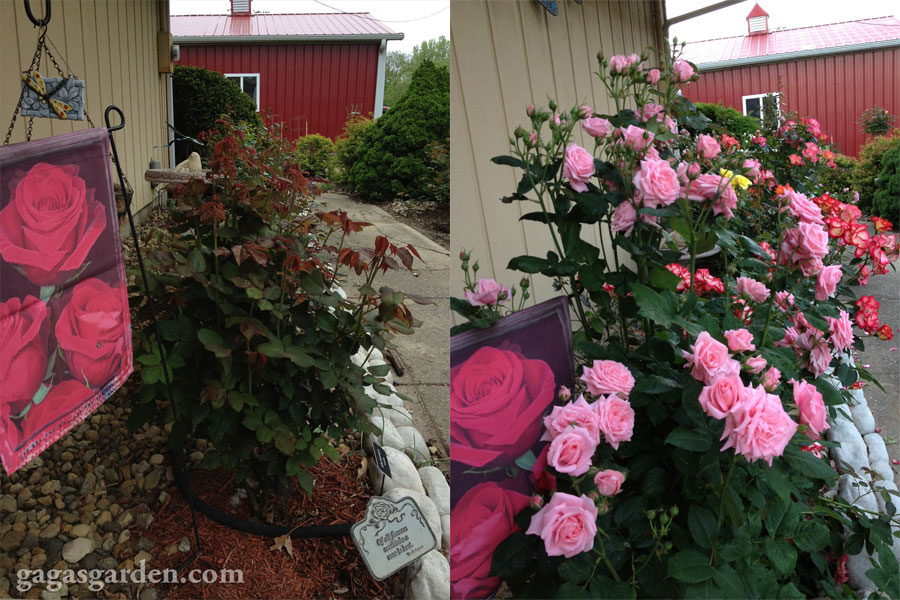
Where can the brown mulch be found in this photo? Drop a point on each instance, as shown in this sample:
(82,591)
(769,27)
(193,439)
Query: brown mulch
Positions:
(433,224)
(320,567)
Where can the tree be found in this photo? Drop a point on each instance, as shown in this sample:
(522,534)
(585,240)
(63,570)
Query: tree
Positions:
(400,66)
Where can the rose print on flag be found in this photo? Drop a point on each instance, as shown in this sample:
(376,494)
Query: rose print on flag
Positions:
(64,317)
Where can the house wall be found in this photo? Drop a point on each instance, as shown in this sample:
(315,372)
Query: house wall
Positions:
(833,89)
(503,56)
(311,88)
(112,46)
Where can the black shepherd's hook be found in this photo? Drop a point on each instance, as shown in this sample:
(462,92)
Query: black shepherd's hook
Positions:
(43,22)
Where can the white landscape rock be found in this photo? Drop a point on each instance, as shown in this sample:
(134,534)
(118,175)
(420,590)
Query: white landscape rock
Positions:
(437,488)
(856,491)
(863,418)
(389,434)
(852,455)
(425,504)
(415,445)
(403,473)
(445,533)
(430,578)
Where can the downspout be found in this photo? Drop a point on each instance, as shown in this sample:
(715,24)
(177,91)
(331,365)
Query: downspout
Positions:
(379,81)
(170,103)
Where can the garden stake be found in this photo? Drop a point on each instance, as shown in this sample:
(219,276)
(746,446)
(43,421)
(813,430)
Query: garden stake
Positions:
(127,193)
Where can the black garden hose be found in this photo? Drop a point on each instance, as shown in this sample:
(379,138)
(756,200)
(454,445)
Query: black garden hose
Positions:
(264,529)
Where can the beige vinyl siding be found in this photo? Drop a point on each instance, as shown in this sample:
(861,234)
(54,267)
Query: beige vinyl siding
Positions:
(505,54)
(111,44)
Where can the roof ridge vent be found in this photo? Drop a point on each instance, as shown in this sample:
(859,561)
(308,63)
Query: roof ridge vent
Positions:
(757,21)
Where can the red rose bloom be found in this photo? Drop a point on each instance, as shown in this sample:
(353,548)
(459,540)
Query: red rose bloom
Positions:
(63,398)
(481,519)
(50,224)
(497,398)
(92,329)
(24,328)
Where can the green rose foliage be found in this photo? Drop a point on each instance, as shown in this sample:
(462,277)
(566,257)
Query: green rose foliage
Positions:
(201,98)
(393,158)
(835,181)
(886,202)
(258,340)
(691,520)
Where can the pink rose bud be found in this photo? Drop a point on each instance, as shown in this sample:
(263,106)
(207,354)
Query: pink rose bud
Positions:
(653,76)
(564,393)
(532,140)
(585,112)
(693,170)
(529,110)
(593,496)
(772,377)
(755,364)
(537,502)
(609,482)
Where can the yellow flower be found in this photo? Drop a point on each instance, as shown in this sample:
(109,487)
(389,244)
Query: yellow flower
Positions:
(740,181)
(726,173)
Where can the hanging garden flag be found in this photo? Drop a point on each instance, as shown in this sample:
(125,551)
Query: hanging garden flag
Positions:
(64,317)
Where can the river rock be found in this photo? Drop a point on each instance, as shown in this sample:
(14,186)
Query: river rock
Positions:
(426,505)
(80,530)
(863,418)
(437,488)
(852,454)
(51,531)
(77,549)
(445,532)
(856,491)
(403,473)
(415,445)
(7,504)
(389,434)
(12,539)
(430,578)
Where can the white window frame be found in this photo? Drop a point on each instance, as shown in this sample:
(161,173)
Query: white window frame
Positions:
(241,84)
(761,96)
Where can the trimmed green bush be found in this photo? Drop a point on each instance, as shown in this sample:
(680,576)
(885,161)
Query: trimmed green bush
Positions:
(201,97)
(315,153)
(835,181)
(730,119)
(870,156)
(348,145)
(393,158)
(886,203)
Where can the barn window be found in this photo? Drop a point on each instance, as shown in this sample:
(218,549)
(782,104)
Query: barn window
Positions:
(755,104)
(249,84)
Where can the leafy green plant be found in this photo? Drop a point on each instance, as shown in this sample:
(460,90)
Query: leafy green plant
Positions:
(870,166)
(730,119)
(392,159)
(349,146)
(876,121)
(886,203)
(316,155)
(840,178)
(258,336)
(201,98)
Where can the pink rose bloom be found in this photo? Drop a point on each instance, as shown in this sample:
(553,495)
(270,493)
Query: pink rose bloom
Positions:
(633,59)
(841,330)
(722,396)
(803,208)
(623,218)
(585,111)
(710,186)
(758,428)
(658,182)
(567,524)
(726,202)
(752,288)
(619,63)
(575,415)
(635,138)
(564,393)
(653,76)
(616,418)
(826,282)
(819,356)
(710,359)
(609,482)
(784,300)
(578,167)
(683,70)
(707,146)
(752,167)
(812,408)
(571,451)
(755,364)
(771,379)
(597,127)
(487,292)
(650,110)
(739,340)
(812,240)
(608,377)
(811,152)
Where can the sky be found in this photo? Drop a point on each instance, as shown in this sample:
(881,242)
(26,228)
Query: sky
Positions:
(415,19)
(783,14)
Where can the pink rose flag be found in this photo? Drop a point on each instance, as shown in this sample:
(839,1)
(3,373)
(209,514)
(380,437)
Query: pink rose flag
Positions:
(64,320)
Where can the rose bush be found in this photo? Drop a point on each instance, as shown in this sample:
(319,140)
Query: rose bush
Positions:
(720,492)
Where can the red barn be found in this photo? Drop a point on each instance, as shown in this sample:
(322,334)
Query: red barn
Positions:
(830,72)
(308,71)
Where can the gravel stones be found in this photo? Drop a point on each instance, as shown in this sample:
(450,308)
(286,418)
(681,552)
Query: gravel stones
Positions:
(77,549)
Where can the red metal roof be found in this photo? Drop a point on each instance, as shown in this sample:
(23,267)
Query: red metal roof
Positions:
(280,26)
(757,12)
(834,35)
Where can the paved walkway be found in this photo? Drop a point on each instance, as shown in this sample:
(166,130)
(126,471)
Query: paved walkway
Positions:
(883,363)
(424,355)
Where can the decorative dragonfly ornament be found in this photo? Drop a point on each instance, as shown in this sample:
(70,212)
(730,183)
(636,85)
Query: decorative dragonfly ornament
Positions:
(36,83)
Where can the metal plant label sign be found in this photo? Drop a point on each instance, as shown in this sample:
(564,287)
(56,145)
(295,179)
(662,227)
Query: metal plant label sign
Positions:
(392,535)
(381,460)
